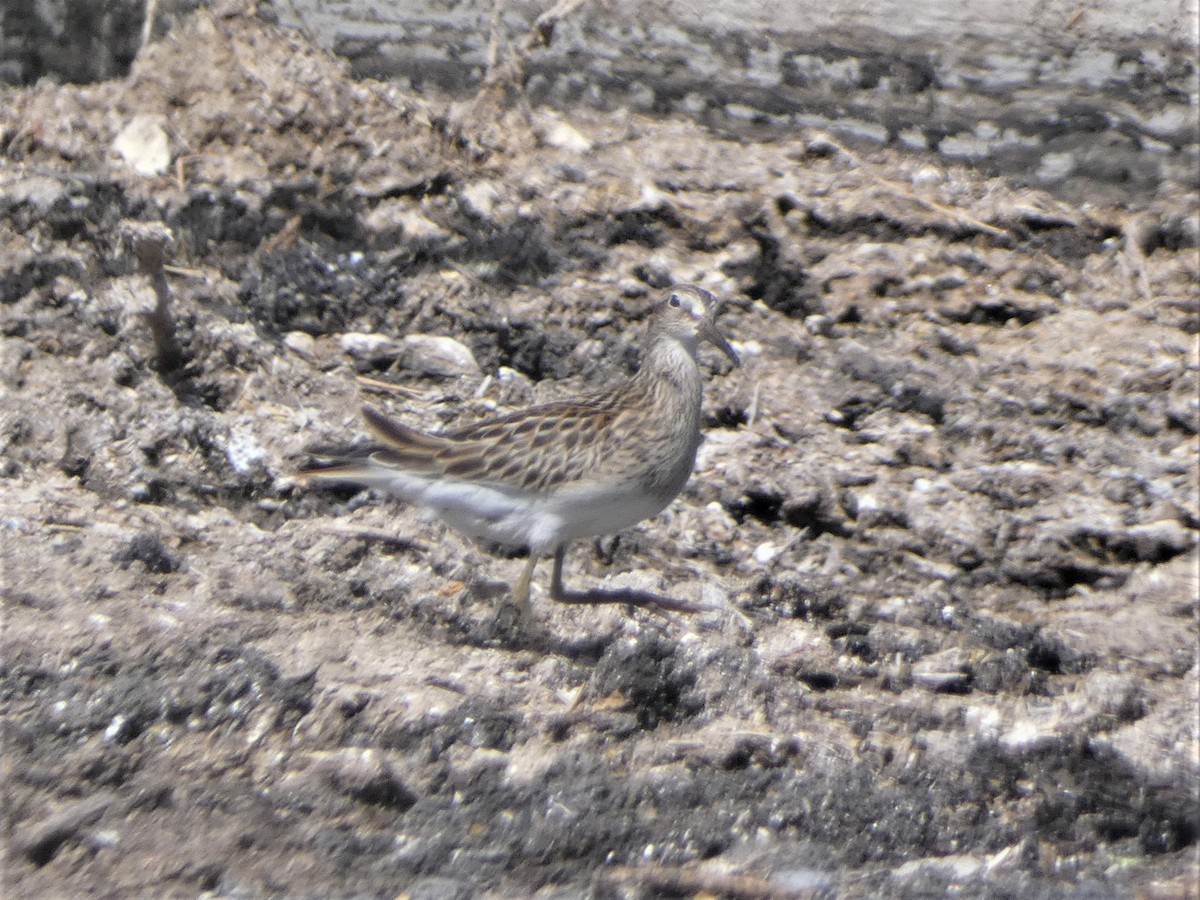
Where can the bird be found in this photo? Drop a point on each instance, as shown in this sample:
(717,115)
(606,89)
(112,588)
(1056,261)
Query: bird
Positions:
(542,477)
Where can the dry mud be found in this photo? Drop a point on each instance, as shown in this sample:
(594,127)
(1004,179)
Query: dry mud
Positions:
(945,517)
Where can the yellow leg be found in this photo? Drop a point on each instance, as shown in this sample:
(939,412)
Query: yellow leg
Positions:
(521,588)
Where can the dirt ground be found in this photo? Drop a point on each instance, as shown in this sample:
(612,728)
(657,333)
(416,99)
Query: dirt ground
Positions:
(945,518)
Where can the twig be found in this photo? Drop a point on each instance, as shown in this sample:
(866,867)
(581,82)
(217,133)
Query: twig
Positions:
(493,50)
(184,271)
(1134,238)
(446,684)
(284,238)
(151,13)
(752,410)
(388,387)
(512,73)
(474,123)
(149,245)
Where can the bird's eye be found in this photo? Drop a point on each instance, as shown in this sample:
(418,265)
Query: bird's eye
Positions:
(675,301)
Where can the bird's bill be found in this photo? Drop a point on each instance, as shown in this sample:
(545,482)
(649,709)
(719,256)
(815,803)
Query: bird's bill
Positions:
(709,331)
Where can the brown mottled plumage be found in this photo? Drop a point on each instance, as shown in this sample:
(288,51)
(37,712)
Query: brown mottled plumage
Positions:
(544,476)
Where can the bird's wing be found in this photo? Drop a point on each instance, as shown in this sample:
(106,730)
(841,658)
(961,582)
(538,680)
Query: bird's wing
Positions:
(537,449)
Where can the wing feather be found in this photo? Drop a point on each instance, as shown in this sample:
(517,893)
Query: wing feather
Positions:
(537,449)
(398,436)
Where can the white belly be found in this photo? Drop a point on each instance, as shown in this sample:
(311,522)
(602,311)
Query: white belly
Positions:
(542,523)
(587,512)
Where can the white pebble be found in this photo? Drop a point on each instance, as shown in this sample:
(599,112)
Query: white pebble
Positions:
(438,355)
(144,145)
(927,176)
(566,137)
(766,552)
(300,343)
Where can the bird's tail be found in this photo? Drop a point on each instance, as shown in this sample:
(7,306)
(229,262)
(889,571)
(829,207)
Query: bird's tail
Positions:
(398,448)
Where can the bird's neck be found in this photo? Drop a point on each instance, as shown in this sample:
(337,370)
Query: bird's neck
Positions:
(670,361)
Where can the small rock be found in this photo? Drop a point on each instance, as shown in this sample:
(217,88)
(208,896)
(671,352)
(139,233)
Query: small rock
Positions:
(508,376)
(651,199)
(395,218)
(1156,541)
(300,343)
(370,346)
(1026,735)
(717,524)
(713,596)
(421,227)
(366,776)
(479,199)
(263,594)
(818,325)
(515,388)
(437,887)
(118,731)
(927,176)
(437,355)
(105,840)
(1056,166)
(565,137)
(244,452)
(748,349)
(943,673)
(39,191)
(632,287)
(954,868)
(40,842)
(150,552)
(144,146)
(766,552)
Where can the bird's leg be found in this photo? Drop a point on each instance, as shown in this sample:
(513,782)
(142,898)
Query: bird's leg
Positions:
(630,596)
(521,588)
(557,591)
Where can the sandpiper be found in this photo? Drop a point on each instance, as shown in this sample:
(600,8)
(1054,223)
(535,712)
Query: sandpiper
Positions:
(550,474)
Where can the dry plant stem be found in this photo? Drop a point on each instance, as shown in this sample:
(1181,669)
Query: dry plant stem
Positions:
(493,50)
(1133,258)
(284,238)
(149,252)
(512,73)
(151,13)
(387,387)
